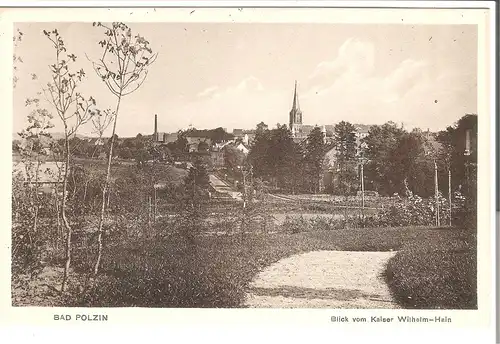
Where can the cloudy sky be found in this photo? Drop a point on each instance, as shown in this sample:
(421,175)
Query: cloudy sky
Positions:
(235,75)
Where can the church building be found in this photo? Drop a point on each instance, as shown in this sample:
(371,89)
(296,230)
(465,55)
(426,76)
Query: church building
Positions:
(299,130)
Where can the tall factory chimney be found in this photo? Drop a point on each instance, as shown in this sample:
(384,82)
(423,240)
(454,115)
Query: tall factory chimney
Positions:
(155,134)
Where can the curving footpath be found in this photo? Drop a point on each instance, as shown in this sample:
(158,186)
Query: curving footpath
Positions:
(323,279)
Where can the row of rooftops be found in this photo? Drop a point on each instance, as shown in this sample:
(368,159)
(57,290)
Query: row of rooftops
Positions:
(240,133)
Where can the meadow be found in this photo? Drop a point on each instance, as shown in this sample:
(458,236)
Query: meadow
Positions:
(152,264)
(434,268)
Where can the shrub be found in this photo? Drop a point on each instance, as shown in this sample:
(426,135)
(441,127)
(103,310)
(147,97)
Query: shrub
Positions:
(296,224)
(32,229)
(413,211)
(435,274)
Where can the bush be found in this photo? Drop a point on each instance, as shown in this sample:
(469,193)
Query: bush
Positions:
(412,211)
(435,274)
(32,229)
(296,224)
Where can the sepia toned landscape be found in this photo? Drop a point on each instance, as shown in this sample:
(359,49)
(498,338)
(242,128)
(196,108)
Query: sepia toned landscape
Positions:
(228,165)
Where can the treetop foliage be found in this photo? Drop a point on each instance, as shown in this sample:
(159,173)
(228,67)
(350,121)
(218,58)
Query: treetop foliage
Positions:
(124,63)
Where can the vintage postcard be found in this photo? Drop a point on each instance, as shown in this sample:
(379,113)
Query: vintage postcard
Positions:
(304,166)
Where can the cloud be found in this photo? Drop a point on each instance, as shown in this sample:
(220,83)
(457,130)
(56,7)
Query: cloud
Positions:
(354,57)
(208,91)
(353,71)
(241,105)
(251,83)
(350,87)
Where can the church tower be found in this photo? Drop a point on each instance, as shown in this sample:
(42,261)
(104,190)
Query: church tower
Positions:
(295,113)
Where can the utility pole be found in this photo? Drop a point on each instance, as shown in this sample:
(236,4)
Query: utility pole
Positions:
(436,188)
(149,211)
(362,191)
(362,176)
(244,189)
(467,155)
(449,192)
(154,205)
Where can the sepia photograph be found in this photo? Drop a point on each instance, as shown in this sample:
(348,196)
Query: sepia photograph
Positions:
(245,164)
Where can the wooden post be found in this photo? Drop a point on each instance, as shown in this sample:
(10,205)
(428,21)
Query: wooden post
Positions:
(449,192)
(149,211)
(362,192)
(244,189)
(436,191)
(154,205)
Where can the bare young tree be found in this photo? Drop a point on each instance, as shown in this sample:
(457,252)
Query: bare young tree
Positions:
(18,37)
(74,111)
(123,67)
(100,123)
(27,203)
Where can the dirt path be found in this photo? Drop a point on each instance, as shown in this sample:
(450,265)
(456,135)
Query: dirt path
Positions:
(323,279)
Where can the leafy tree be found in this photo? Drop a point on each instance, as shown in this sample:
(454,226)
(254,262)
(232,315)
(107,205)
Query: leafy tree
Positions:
(273,156)
(233,157)
(259,155)
(140,141)
(126,153)
(16,146)
(142,156)
(179,147)
(413,165)
(73,111)
(203,147)
(123,67)
(381,143)
(193,203)
(100,122)
(27,203)
(345,154)
(219,135)
(281,155)
(463,166)
(261,127)
(299,174)
(453,141)
(18,37)
(314,157)
(197,176)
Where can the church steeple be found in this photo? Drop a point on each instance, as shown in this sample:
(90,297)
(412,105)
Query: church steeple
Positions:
(295,113)
(295,105)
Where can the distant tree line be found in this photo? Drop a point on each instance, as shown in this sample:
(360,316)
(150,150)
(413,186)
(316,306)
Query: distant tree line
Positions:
(395,160)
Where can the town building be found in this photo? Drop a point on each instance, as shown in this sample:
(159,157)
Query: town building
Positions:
(162,138)
(245,136)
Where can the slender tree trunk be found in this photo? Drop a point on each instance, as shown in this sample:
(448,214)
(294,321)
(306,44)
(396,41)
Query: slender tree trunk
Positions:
(105,190)
(85,191)
(436,194)
(362,195)
(74,186)
(155,206)
(149,212)
(37,203)
(64,217)
(60,234)
(58,222)
(109,197)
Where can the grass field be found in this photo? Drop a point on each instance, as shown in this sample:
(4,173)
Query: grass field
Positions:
(434,268)
(165,172)
(436,274)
